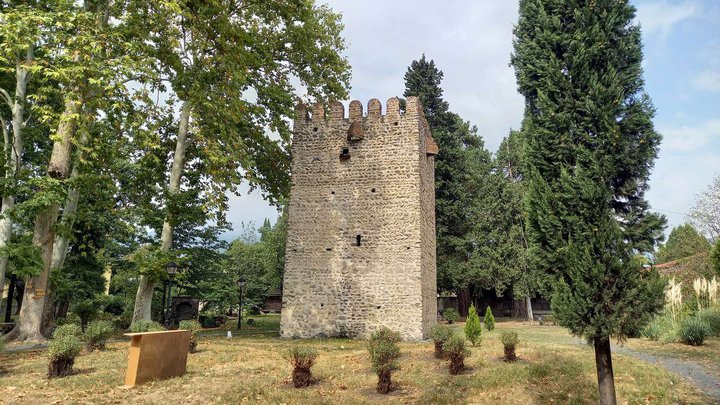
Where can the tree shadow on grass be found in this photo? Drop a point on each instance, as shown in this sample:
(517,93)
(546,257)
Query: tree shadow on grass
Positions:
(560,378)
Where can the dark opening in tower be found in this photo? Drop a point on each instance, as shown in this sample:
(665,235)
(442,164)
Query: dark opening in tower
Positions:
(358,240)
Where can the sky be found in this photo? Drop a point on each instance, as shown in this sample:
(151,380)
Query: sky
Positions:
(471,42)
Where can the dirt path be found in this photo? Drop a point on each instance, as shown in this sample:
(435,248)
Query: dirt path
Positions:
(707,382)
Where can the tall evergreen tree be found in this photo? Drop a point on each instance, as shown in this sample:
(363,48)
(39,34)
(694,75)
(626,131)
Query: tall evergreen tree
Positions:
(460,170)
(684,241)
(590,147)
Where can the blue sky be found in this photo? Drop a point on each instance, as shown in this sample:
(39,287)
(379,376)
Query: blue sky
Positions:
(472,41)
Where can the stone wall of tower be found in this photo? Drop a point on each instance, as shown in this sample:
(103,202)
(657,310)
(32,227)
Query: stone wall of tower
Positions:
(361,228)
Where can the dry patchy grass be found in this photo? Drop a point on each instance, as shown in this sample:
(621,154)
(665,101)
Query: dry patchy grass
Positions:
(553,367)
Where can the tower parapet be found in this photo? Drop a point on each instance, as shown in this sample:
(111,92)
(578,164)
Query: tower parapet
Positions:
(361,227)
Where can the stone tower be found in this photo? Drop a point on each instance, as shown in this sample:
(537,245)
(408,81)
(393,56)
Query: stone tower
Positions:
(361,227)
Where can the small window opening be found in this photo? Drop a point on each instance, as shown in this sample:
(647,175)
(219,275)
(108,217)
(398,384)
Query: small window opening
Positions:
(328,249)
(358,240)
(315,129)
(322,305)
(378,307)
(395,123)
(372,190)
(332,192)
(345,153)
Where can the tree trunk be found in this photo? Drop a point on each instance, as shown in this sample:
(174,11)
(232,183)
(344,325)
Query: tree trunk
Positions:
(603,362)
(143,298)
(464,299)
(14,154)
(31,321)
(528,305)
(384,382)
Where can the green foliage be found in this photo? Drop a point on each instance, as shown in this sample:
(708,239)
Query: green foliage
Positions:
(693,331)
(589,146)
(510,341)
(456,351)
(450,315)
(86,310)
(64,347)
(301,356)
(193,326)
(461,170)
(684,241)
(711,316)
(473,328)
(68,329)
(489,319)
(715,257)
(23,257)
(384,350)
(660,326)
(509,338)
(97,333)
(144,325)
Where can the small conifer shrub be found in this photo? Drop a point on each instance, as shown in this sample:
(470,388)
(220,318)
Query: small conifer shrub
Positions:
(489,319)
(62,350)
(97,333)
(439,334)
(456,351)
(302,359)
(68,329)
(384,353)
(450,315)
(473,328)
(510,341)
(193,326)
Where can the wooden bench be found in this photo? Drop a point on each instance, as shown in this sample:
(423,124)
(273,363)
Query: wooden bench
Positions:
(156,355)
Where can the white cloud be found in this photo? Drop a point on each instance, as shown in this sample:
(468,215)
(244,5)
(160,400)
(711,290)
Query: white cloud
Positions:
(688,139)
(659,17)
(707,80)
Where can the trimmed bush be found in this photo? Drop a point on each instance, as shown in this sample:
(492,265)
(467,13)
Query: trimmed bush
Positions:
(456,352)
(473,328)
(384,353)
(68,329)
(193,326)
(144,325)
(87,311)
(489,319)
(450,315)
(510,341)
(712,318)
(302,359)
(693,331)
(439,334)
(62,350)
(97,333)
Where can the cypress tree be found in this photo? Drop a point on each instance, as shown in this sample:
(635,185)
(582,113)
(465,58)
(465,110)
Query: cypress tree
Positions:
(590,145)
(461,169)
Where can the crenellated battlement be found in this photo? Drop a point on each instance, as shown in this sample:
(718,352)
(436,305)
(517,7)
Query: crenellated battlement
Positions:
(318,114)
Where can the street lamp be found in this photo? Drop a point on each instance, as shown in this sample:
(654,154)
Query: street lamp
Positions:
(241,285)
(171,269)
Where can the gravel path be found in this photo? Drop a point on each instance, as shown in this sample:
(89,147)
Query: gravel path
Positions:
(708,383)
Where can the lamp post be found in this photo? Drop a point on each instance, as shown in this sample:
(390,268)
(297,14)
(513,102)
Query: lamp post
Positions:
(171,269)
(241,285)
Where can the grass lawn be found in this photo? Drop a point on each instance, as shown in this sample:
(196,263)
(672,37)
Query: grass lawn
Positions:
(249,368)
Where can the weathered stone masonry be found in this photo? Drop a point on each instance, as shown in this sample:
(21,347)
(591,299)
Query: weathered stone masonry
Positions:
(361,232)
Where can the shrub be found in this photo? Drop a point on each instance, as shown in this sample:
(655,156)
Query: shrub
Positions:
(450,315)
(302,359)
(144,325)
(97,334)
(193,326)
(489,319)
(86,310)
(693,331)
(62,350)
(509,340)
(712,318)
(455,348)
(473,328)
(112,304)
(384,353)
(660,328)
(439,334)
(68,329)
